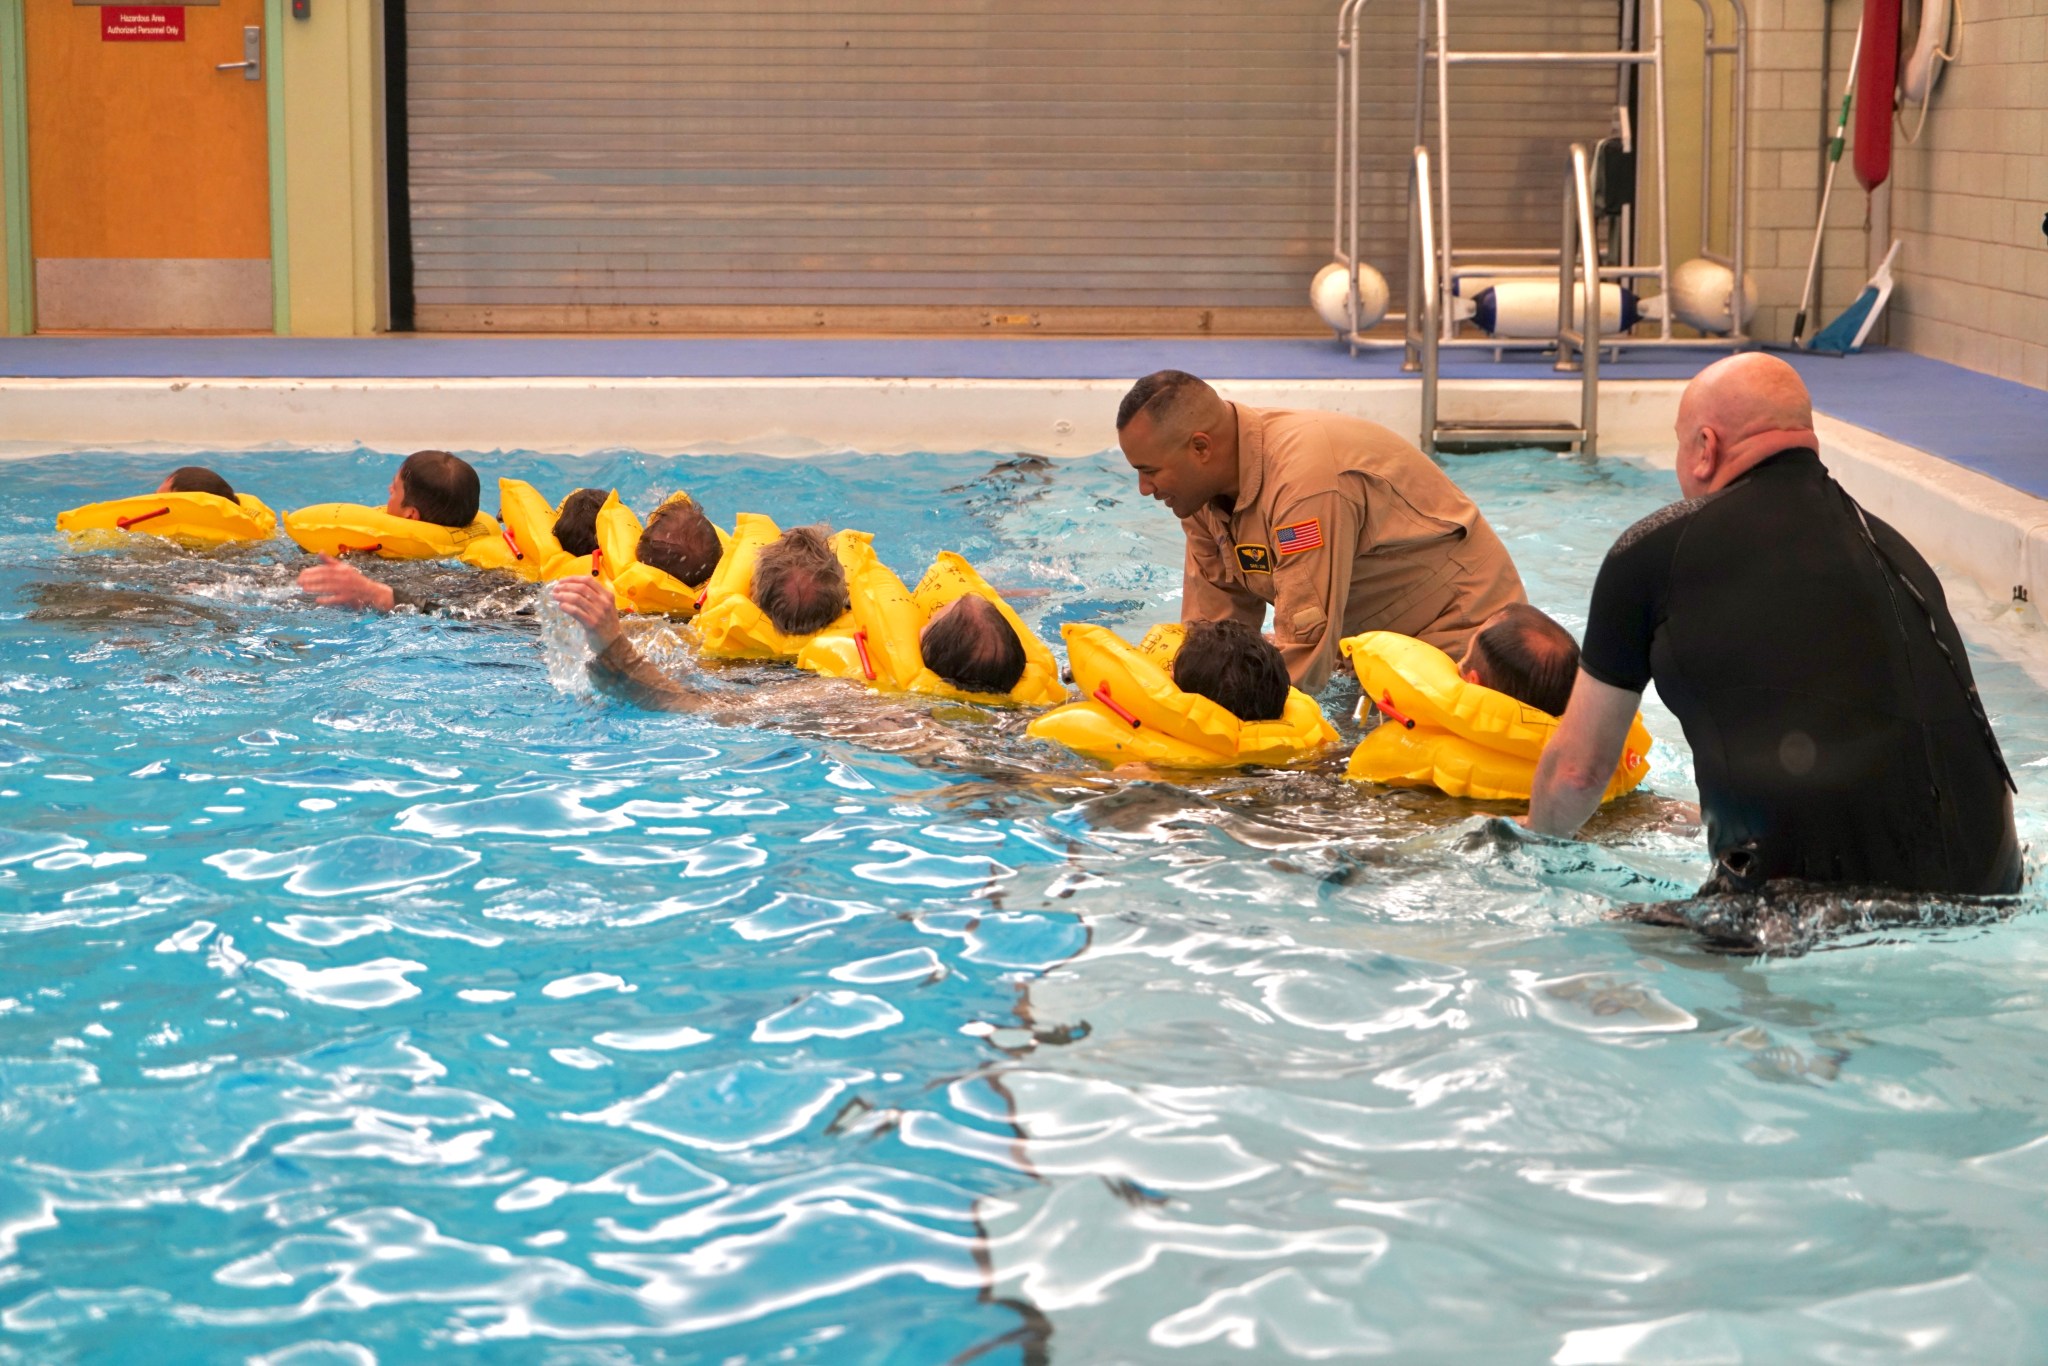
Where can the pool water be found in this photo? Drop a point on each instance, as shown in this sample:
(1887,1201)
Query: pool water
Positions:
(369,995)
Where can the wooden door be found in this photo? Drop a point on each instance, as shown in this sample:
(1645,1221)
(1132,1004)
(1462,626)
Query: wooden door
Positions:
(149,179)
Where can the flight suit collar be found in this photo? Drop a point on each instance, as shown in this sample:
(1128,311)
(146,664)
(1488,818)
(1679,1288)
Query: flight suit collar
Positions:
(1251,457)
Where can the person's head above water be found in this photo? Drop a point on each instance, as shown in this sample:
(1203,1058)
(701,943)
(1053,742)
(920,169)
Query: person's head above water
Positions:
(1523,653)
(1737,413)
(680,541)
(1233,666)
(970,645)
(196,479)
(576,523)
(1181,438)
(436,487)
(800,583)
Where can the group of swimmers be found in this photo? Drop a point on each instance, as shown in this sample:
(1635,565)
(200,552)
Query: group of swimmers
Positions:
(1803,645)
(801,585)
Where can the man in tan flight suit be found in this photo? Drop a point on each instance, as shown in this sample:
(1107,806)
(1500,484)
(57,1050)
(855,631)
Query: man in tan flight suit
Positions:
(1336,522)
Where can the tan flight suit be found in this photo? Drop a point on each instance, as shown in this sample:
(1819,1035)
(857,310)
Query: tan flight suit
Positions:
(1342,527)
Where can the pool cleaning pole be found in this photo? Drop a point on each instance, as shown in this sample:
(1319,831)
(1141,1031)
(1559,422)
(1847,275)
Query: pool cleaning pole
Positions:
(1828,190)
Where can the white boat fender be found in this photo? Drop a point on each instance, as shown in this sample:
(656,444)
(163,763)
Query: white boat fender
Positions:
(1528,308)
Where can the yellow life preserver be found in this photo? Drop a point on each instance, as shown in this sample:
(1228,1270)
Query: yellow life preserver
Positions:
(356,529)
(639,587)
(1466,740)
(732,626)
(884,651)
(201,518)
(529,535)
(1133,711)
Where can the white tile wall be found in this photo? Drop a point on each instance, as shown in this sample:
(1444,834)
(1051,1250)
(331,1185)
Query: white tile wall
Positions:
(1967,198)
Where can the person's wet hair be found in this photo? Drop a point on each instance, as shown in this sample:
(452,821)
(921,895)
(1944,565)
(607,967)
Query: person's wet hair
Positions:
(680,541)
(1523,653)
(199,479)
(974,648)
(800,583)
(1235,667)
(440,487)
(576,523)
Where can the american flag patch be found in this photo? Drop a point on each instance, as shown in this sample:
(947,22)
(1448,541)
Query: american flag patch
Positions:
(1292,540)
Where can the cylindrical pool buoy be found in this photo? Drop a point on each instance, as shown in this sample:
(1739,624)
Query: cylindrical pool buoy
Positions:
(1330,293)
(1701,291)
(1528,308)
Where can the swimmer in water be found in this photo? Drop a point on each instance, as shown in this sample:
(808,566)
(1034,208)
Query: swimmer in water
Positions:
(196,479)
(1522,652)
(805,703)
(1235,667)
(576,522)
(800,583)
(1808,651)
(431,486)
(680,541)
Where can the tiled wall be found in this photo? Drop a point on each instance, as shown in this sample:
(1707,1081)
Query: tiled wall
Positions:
(1966,199)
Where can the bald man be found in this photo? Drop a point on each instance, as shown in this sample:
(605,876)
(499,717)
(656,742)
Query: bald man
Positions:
(1809,654)
(1336,523)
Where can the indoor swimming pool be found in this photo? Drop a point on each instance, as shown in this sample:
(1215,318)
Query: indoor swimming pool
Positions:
(376,987)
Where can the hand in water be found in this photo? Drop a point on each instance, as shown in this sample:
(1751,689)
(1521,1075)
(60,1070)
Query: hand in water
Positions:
(334,584)
(590,605)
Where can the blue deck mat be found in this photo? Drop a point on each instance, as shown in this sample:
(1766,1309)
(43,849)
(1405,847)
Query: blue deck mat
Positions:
(1991,425)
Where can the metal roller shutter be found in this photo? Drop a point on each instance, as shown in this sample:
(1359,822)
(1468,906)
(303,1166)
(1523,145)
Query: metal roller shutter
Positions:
(1073,165)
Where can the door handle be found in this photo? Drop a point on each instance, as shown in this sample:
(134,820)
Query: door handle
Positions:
(251,65)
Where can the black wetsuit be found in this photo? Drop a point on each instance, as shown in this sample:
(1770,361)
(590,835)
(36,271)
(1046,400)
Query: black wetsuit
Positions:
(1835,729)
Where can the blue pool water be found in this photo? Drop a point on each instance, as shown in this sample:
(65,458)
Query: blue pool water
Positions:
(369,997)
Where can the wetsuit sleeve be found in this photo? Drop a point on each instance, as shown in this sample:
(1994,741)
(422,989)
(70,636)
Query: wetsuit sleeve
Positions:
(418,602)
(1206,593)
(1628,605)
(1312,585)
(624,672)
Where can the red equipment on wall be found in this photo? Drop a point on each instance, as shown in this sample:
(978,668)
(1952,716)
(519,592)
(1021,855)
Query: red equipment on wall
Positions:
(1877,79)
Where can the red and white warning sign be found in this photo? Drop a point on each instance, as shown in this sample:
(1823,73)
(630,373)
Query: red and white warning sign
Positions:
(142,24)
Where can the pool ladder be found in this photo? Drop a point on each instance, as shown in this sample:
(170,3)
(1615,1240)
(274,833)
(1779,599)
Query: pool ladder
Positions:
(1578,269)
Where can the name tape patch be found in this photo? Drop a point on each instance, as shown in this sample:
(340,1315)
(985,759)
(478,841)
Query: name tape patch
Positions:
(1254,559)
(1292,540)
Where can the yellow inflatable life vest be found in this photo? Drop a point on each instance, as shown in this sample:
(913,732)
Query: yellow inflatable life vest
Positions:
(1133,711)
(200,518)
(356,529)
(529,534)
(732,626)
(639,587)
(1461,738)
(884,648)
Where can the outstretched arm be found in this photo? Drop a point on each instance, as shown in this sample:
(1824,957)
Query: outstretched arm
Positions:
(334,584)
(619,668)
(1579,761)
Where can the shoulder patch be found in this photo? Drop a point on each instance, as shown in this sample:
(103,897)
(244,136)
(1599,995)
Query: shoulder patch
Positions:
(1658,520)
(1254,558)
(1292,540)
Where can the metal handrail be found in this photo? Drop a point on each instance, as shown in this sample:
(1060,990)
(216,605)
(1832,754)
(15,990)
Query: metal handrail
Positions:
(1349,178)
(1579,267)
(1425,297)
(1737,51)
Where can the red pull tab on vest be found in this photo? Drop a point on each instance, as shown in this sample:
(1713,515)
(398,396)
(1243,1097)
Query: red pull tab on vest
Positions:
(597,562)
(1102,696)
(700,600)
(860,643)
(1386,704)
(125,522)
(517,553)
